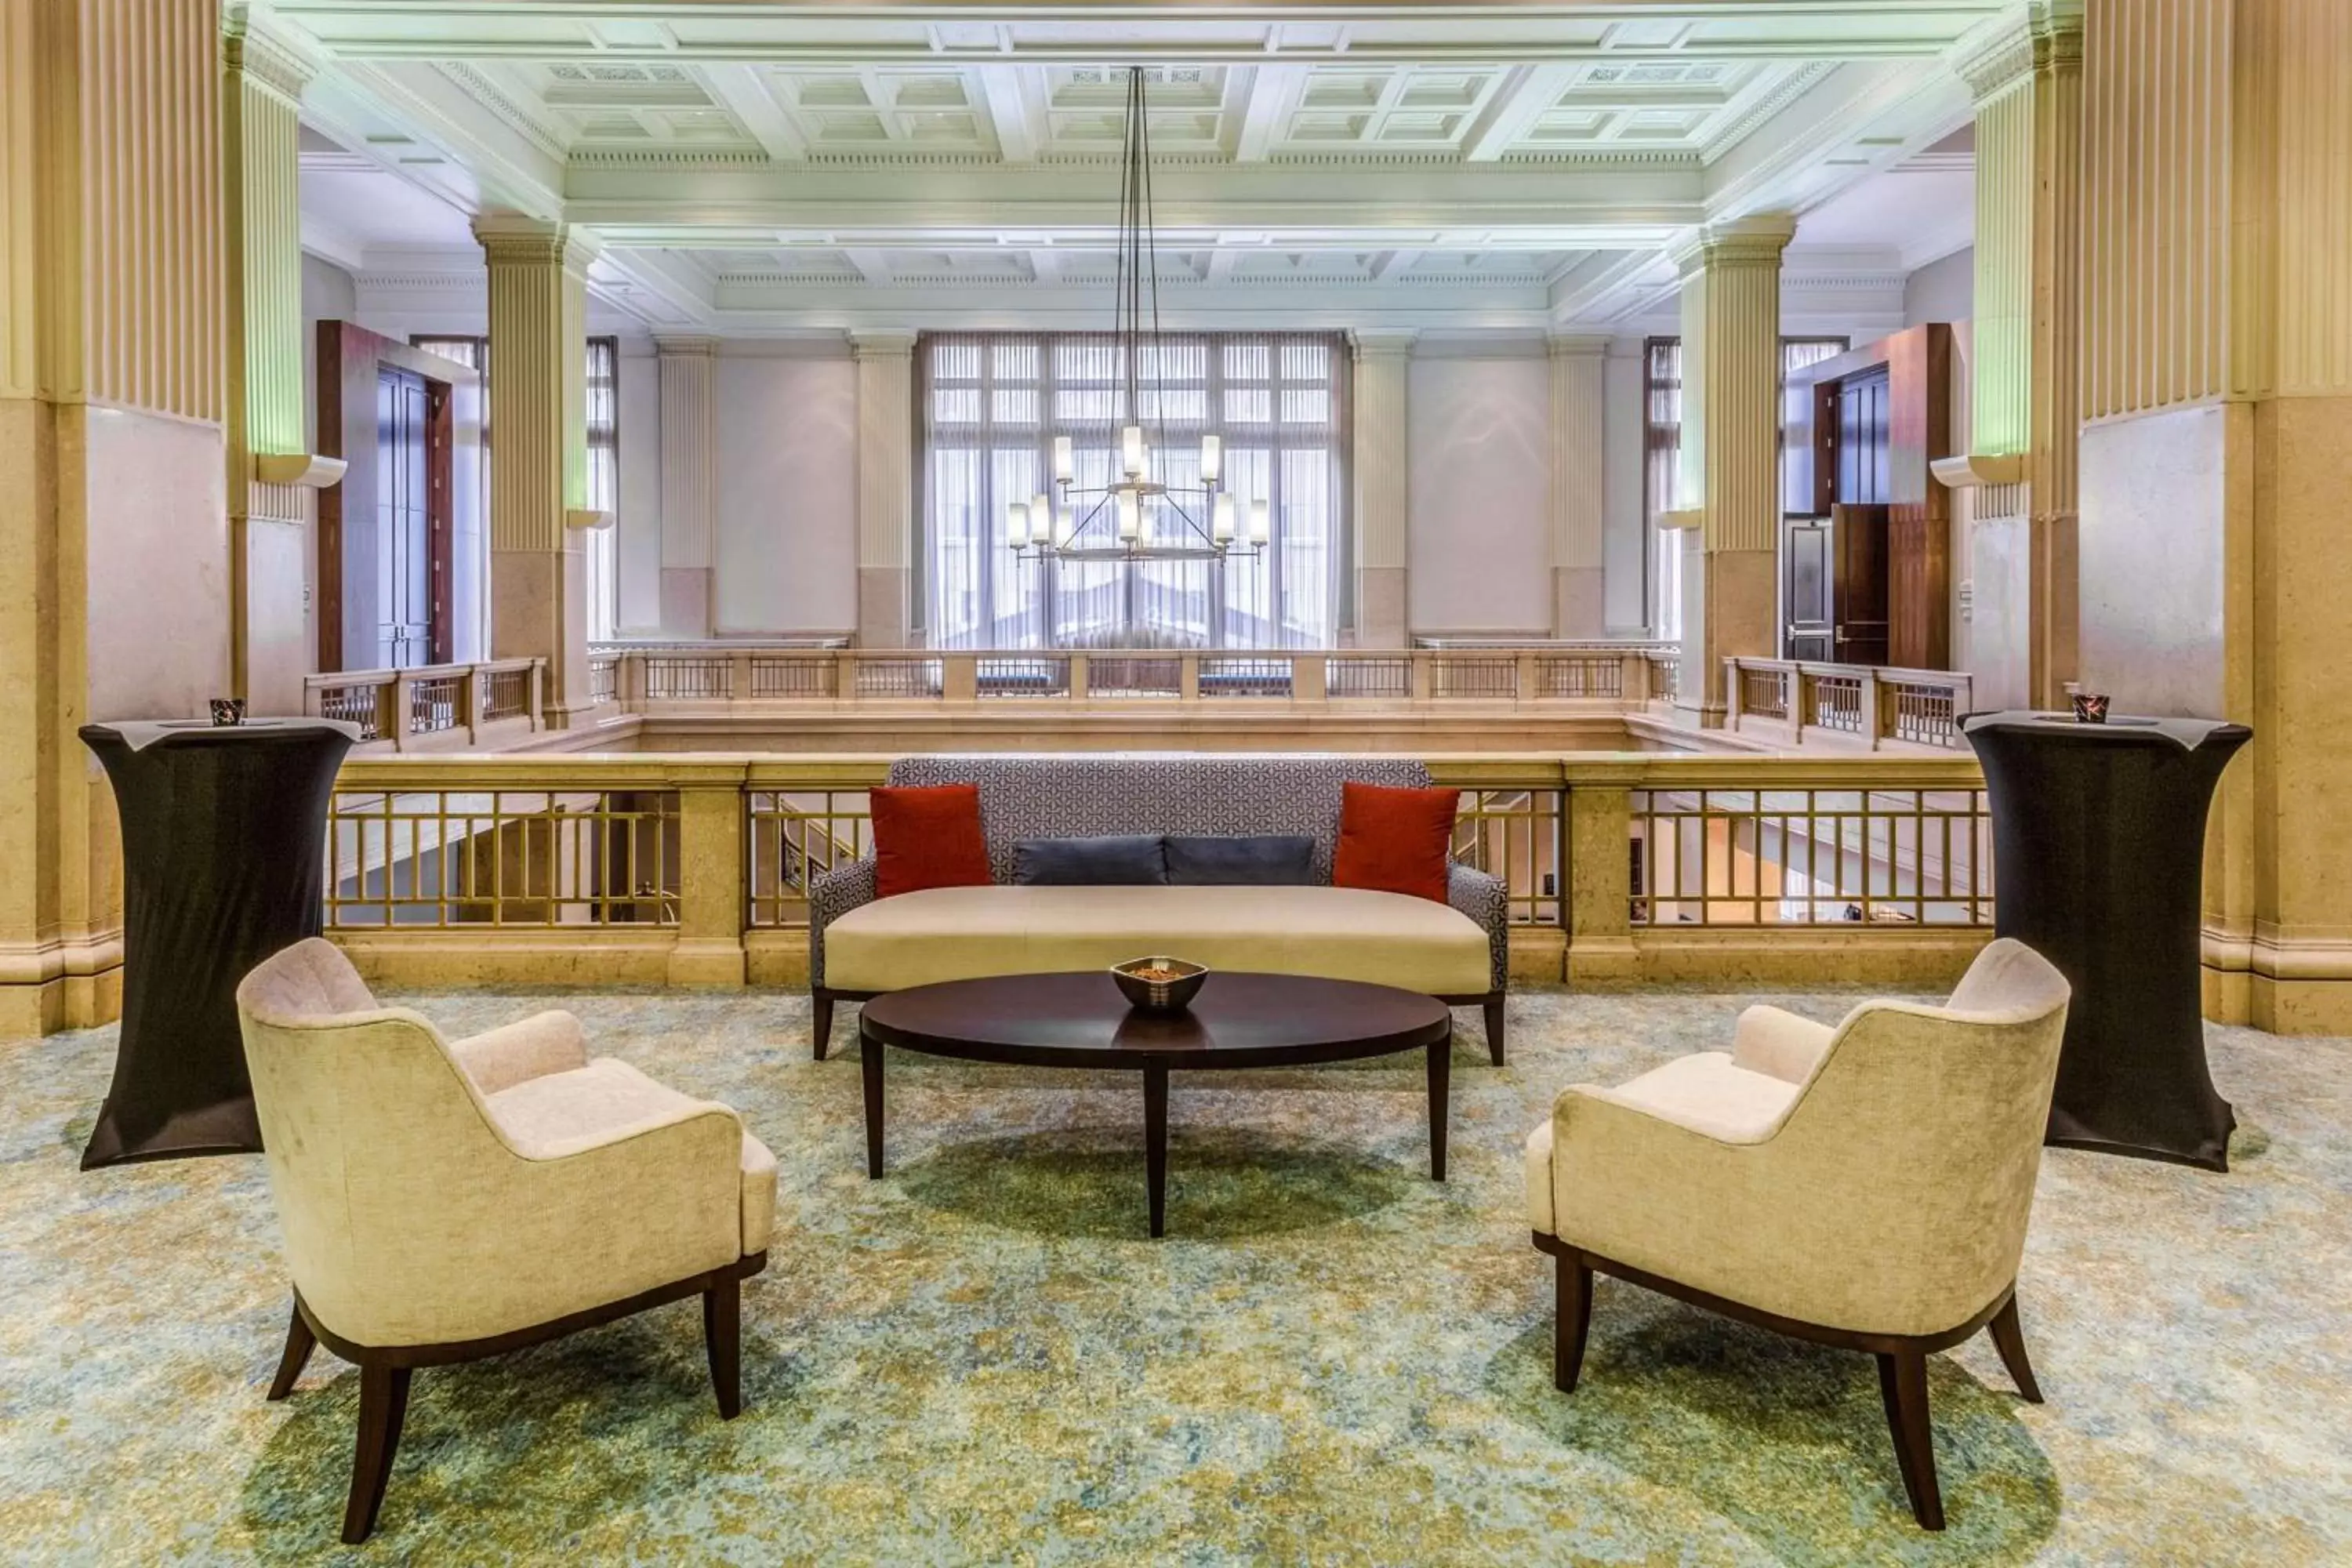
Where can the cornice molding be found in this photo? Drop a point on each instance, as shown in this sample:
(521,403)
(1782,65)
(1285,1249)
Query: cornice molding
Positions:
(2040,36)
(685,345)
(509,113)
(881,342)
(1733,131)
(1531,163)
(255,49)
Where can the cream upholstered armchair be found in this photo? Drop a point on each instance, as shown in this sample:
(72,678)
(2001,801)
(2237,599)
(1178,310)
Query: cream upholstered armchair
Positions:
(1865,1186)
(442,1202)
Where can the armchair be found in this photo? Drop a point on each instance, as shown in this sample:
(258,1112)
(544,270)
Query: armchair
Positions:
(443,1202)
(1865,1186)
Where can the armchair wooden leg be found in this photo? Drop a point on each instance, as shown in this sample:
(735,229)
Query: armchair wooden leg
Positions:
(1571,1317)
(299,1343)
(383,1403)
(722,1339)
(1903,1385)
(1493,1009)
(2009,1340)
(821,1023)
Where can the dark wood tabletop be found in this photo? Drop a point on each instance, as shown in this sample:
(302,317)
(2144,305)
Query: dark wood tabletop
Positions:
(1081,1020)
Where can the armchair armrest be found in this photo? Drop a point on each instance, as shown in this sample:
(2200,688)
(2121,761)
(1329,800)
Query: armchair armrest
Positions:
(832,896)
(525,1049)
(1780,1044)
(1486,900)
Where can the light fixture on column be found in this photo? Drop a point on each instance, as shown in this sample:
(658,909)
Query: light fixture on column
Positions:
(1137,517)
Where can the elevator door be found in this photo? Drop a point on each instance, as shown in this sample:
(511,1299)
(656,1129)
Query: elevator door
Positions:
(404,523)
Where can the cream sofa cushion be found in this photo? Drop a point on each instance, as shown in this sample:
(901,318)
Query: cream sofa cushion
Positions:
(1338,934)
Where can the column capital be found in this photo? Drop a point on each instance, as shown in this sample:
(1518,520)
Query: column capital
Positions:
(882,342)
(510,238)
(1747,241)
(1575,345)
(1383,343)
(2033,36)
(255,47)
(685,345)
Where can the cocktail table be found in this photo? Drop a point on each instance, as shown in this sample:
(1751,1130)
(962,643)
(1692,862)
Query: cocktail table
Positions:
(1080,1020)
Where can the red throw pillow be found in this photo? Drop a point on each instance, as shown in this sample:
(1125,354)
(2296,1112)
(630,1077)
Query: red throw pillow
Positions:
(928,837)
(1394,840)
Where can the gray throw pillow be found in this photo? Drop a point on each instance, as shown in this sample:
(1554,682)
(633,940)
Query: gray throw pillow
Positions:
(1120,860)
(1267,860)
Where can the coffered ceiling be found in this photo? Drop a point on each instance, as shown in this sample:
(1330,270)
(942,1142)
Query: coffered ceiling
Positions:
(737,160)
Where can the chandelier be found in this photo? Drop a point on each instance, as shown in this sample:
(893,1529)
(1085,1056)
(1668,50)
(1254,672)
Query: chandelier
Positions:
(1137,517)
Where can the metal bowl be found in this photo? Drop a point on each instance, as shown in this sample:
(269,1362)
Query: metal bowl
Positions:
(1158,996)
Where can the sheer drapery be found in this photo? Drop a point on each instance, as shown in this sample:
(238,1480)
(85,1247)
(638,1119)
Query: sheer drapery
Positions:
(991,405)
(603,544)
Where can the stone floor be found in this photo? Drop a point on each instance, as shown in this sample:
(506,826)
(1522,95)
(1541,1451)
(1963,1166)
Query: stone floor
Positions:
(1331,1360)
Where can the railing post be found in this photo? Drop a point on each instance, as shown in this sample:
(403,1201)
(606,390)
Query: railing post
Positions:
(959,678)
(1734,693)
(473,690)
(739,677)
(1873,727)
(1310,677)
(404,710)
(1424,676)
(1188,677)
(1525,678)
(1633,678)
(1078,677)
(712,859)
(1600,883)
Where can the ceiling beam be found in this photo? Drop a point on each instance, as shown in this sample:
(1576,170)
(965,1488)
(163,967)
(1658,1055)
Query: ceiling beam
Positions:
(1515,109)
(510,170)
(1266,107)
(743,93)
(873,263)
(1019,128)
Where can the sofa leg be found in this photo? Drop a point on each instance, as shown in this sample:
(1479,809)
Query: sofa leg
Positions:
(383,1403)
(1494,1008)
(723,1341)
(820,1020)
(1571,1317)
(2009,1339)
(1903,1385)
(300,1342)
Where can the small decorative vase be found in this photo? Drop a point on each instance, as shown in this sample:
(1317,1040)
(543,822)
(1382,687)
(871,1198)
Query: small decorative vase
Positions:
(228,711)
(2090,707)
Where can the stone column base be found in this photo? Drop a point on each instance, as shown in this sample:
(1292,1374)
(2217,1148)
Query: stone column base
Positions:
(688,602)
(1381,616)
(1579,608)
(539,609)
(883,619)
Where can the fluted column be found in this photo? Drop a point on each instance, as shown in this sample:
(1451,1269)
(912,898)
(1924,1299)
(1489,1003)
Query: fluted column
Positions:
(1578,425)
(689,449)
(2216,452)
(1383,487)
(271,471)
(1730,452)
(539,481)
(886,489)
(2027,80)
(114,599)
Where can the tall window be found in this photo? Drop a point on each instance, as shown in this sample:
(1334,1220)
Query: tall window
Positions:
(993,403)
(1661,440)
(603,486)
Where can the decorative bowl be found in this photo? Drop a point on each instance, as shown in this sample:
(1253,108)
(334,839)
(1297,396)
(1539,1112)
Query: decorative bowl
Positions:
(1159,984)
(2090,707)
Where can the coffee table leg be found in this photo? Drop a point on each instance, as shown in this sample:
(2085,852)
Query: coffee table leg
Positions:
(1440,1068)
(869,1056)
(1155,1143)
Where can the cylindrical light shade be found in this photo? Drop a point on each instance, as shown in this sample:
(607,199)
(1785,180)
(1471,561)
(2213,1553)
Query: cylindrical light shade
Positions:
(1065,521)
(1065,462)
(1261,522)
(1016,524)
(1130,451)
(1220,517)
(1212,459)
(1041,517)
(1130,516)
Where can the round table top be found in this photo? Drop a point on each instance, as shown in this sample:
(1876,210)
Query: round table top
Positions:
(1081,1020)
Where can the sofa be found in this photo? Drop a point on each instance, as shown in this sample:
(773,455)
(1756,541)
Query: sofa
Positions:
(861,947)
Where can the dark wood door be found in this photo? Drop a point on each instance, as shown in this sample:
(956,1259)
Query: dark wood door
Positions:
(1858,584)
(1808,589)
(404,534)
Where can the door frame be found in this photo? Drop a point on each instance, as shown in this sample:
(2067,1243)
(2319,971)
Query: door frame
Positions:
(351,361)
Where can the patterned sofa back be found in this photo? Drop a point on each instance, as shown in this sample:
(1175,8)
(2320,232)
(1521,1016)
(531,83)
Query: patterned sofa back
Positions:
(1066,797)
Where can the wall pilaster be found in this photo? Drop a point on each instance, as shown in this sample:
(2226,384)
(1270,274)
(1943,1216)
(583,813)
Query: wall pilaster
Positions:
(1578,429)
(539,483)
(886,489)
(114,597)
(1730,452)
(688,452)
(1384,363)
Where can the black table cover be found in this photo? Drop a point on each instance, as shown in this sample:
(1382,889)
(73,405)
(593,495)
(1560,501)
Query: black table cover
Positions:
(224,834)
(2098,859)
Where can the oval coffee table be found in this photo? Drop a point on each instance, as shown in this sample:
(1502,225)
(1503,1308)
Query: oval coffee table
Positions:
(1080,1020)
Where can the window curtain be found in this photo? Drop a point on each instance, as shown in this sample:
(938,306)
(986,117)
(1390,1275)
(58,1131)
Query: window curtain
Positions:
(991,405)
(603,550)
(1662,447)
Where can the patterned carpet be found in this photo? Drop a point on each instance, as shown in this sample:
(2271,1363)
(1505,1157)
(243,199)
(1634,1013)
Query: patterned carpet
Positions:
(1331,1360)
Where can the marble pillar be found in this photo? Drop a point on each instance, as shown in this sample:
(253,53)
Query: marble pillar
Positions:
(1383,360)
(114,558)
(1578,429)
(886,490)
(539,481)
(688,451)
(2216,452)
(1730,473)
